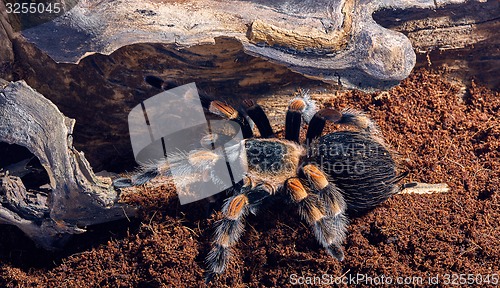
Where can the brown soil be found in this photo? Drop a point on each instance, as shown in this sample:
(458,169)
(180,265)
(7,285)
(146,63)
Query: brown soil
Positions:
(440,136)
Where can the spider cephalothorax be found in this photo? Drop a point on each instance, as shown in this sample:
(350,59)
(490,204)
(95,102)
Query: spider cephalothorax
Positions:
(325,177)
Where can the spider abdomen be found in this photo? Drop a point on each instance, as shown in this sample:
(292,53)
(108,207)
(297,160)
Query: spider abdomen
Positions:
(361,167)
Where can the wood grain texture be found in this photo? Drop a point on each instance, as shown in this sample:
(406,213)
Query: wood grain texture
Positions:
(76,197)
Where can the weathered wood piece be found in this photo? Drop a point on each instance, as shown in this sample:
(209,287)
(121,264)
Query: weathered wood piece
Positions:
(6,52)
(424,188)
(336,41)
(76,197)
(461,37)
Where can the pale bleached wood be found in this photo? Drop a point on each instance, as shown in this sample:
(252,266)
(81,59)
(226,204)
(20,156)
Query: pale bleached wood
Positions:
(76,197)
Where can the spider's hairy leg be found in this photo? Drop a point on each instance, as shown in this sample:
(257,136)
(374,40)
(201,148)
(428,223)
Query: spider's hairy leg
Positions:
(359,120)
(299,107)
(328,192)
(321,205)
(227,233)
(257,114)
(294,119)
(144,174)
(229,229)
(193,166)
(228,112)
(334,225)
(318,121)
(347,117)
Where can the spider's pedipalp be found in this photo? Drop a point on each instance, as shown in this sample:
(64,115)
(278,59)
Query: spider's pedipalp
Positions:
(258,116)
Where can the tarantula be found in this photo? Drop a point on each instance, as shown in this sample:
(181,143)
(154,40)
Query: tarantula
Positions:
(325,177)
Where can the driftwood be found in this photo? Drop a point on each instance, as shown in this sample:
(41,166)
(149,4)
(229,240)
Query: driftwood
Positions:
(336,41)
(460,37)
(73,196)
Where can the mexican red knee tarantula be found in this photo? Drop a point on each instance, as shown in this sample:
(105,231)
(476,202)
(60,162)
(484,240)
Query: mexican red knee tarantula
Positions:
(325,177)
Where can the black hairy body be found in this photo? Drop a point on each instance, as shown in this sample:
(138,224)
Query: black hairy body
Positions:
(362,168)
